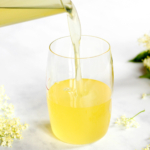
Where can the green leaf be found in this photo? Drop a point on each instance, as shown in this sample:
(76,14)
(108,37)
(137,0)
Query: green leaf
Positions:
(140,57)
(147,75)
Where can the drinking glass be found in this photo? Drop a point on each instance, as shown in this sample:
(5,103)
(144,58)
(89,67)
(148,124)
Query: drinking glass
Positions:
(79,118)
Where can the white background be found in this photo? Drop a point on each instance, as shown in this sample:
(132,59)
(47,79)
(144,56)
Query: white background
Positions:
(23,57)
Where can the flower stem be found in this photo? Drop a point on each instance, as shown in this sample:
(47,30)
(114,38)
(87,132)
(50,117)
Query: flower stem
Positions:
(138,114)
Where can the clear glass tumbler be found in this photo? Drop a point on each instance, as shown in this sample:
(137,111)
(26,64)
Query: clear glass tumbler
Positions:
(79,118)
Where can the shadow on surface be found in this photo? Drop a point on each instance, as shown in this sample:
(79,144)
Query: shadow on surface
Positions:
(59,145)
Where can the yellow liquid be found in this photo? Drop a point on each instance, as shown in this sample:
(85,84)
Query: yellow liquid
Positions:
(79,119)
(12,15)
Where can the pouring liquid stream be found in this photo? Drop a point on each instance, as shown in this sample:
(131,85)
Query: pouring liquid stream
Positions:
(75,34)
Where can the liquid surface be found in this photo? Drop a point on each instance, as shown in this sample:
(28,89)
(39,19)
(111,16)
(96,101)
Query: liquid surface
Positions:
(79,119)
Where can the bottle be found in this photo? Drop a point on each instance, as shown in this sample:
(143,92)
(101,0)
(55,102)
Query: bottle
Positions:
(16,11)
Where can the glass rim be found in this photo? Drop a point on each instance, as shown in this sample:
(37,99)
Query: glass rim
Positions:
(82,57)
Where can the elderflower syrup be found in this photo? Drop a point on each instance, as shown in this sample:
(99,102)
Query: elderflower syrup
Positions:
(83,119)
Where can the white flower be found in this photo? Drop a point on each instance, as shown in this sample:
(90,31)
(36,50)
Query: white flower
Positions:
(145,95)
(145,40)
(26,125)
(9,144)
(118,121)
(147,147)
(146,63)
(10,128)
(6,97)
(3,143)
(128,122)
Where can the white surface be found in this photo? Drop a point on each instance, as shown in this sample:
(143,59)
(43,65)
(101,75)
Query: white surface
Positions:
(23,56)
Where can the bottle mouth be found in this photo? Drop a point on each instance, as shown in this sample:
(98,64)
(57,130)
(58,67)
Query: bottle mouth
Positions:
(57,41)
